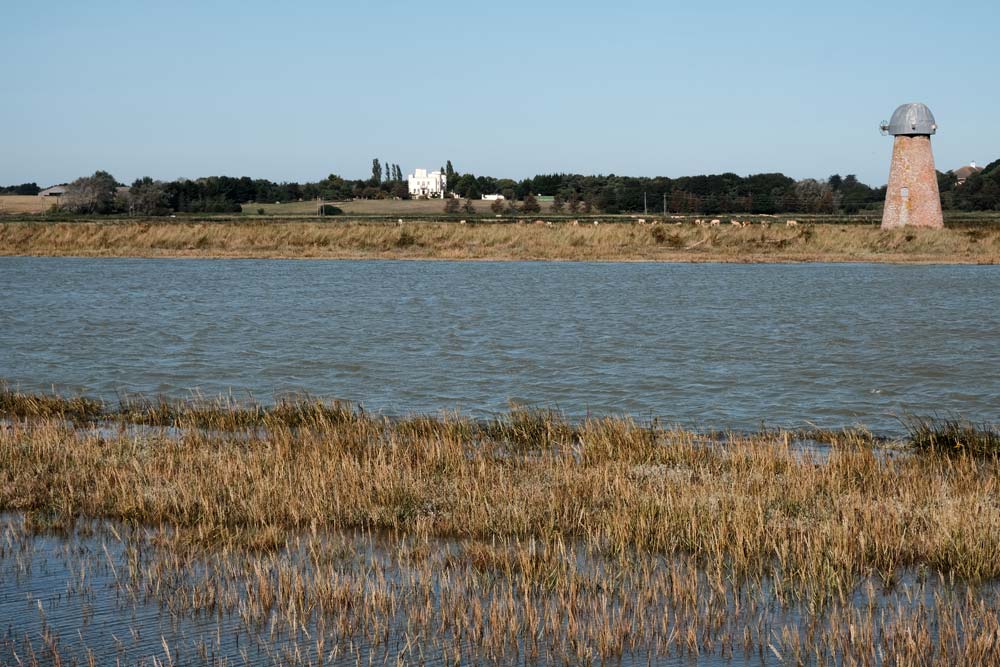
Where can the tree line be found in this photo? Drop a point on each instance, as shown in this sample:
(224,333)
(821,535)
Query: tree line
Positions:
(22,189)
(101,193)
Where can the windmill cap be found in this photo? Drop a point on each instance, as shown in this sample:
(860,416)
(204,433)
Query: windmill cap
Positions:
(912,119)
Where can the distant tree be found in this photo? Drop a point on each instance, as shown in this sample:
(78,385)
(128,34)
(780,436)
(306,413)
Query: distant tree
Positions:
(450,205)
(574,204)
(558,204)
(449,171)
(148,197)
(388,173)
(467,186)
(586,207)
(468,207)
(91,194)
(506,187)
(334,187)
(946,187)
(530,204)
(814,196)
(23,189)
(497,206)
(607,200)
(981,191)
(400,191)
(376,171)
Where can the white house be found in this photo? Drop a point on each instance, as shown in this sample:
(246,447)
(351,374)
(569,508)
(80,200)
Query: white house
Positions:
(426,185)
(493,197)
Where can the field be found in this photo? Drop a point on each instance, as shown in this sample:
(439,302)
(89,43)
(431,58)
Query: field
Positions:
(22,204)
(524,539)
(625,241)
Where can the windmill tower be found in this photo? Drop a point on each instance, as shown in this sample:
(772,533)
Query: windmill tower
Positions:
(912,198)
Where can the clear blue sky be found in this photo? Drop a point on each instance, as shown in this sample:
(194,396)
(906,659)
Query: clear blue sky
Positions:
(295,91)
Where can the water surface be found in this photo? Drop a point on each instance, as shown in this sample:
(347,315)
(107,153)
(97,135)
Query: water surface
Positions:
(702,345)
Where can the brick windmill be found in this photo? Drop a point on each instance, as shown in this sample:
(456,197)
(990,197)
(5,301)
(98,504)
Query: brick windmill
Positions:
(912,198)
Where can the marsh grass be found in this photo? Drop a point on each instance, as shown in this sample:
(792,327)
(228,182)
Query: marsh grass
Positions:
(17,404)
(501,241)
(953,437)
(525,538)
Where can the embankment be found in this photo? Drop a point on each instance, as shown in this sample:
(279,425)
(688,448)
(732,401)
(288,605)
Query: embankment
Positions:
(491,241)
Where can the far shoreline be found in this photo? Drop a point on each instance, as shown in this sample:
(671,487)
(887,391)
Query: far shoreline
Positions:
(681,243)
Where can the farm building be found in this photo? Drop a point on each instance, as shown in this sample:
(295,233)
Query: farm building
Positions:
(54,191)
(963,173)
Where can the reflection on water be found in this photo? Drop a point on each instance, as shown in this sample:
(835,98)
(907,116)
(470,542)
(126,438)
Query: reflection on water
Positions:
(706,346)
(104,594)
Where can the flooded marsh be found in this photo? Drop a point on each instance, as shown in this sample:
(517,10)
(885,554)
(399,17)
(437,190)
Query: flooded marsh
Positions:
(327,536)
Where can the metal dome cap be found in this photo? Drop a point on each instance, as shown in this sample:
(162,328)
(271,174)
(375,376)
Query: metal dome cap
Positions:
(911,119)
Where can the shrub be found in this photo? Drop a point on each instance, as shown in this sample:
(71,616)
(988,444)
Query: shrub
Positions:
(330,209)
(661,236)
(530,205)
(406,239)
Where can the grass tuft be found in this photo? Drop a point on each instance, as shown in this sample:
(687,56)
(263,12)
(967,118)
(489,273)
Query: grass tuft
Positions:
(953,437)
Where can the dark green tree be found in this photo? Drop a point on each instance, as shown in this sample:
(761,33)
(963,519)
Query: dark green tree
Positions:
(530,204)
(376,172)
(467,186)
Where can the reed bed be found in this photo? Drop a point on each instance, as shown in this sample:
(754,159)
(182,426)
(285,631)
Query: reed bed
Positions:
(560,240)
(526,539)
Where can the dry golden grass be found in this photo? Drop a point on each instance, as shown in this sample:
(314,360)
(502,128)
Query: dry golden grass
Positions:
(556,241)
(755,504)
(21,204)
(525,539)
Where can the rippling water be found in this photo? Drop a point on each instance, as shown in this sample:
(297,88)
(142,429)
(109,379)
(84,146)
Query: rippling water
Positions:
(702,345)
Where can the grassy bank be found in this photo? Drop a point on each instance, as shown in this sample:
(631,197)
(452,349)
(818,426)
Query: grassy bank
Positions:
(677,242)
(525,539)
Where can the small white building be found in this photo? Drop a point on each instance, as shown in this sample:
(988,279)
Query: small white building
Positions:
(427,185)
(493,197)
